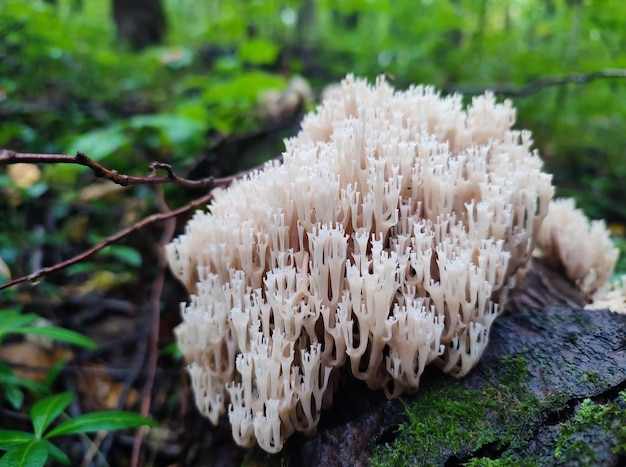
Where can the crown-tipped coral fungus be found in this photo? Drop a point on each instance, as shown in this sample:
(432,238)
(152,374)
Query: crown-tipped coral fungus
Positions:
(388,239)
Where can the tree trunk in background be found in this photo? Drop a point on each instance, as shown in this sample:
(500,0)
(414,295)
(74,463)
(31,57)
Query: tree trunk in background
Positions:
(140,23)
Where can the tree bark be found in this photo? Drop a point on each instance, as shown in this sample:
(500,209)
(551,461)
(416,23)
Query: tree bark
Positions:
(140,23)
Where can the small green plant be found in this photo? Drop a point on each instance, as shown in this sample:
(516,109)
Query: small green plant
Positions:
(34,449)
(13,321)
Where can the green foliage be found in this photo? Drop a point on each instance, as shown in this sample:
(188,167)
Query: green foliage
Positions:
(13,385)
(34,449)
(503,462)
(207,77)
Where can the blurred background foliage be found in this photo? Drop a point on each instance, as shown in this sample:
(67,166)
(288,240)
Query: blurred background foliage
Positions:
(128,82)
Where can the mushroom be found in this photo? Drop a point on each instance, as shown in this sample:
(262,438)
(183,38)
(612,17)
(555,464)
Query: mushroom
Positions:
(387,240)
(583,249)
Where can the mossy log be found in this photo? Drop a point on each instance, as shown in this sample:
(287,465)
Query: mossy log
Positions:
(549,390)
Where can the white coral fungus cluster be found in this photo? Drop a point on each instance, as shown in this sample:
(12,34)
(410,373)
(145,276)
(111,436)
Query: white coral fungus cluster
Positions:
(582,248)
(387,239)
(611,297)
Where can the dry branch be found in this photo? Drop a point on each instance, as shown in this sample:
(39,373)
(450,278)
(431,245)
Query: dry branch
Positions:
(537,84)
(11,157)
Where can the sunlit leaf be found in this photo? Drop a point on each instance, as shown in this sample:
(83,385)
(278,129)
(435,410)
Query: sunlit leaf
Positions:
(105,280)
(24,175)
(100,143)
(99,190)
(127,254)
(259,52)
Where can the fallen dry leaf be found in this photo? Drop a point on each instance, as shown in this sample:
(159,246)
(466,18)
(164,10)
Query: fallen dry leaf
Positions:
(100,392)
(24,175)
(99,190)
(5,272)
(30,360)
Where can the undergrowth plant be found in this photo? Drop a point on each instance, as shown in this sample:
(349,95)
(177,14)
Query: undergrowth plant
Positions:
(34,448)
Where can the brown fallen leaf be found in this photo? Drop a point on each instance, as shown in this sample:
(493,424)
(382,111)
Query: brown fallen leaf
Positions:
(100,392)
(30,360)
(24,175)
(5,272)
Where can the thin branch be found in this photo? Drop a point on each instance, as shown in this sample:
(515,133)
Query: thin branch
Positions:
(537,84)
(113,238)
(11,157)
(155,308)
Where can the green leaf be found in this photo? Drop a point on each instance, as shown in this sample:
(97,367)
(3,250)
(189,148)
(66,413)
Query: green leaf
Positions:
(11,438)
(98,421)
(60,334)
(11,321)
(13,395)
(175,128)
(98,144)
(259,52)
(54,372)
(44,411)
(129,255)
(32,454)
(9,379)
(57,454)
(172,350)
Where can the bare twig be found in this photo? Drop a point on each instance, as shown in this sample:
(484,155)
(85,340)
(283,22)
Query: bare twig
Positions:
(11,157)
(153,350)
(114,238)
(537,84)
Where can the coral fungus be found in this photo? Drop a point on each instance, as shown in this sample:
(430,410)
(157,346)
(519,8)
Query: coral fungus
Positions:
(388,239)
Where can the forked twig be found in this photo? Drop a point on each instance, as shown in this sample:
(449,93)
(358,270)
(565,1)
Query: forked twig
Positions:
(11,157)
(537,84)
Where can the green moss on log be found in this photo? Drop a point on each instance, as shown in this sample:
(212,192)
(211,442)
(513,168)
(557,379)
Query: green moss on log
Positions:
(446,418)
(576,435)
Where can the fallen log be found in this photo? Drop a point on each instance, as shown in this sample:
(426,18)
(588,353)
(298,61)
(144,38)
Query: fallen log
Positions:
(549,390)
